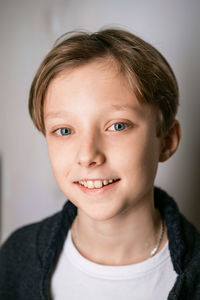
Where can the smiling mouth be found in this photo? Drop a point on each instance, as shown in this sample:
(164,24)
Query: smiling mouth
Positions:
(96,184)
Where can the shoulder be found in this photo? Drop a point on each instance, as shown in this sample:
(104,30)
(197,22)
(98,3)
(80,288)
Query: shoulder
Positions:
(23,247)
(184,246)
(30,252)
(33,239)
(184,238)
(28,235)
(191,261)
(192,245)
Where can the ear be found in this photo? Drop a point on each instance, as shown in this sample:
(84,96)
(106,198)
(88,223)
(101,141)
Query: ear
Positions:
(170,141)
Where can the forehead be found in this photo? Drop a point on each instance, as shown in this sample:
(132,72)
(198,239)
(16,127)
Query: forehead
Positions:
(98,84)
(99,71)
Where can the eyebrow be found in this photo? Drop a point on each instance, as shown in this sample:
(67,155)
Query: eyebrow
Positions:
(55,114)
(134,108)
(123,107)
(116,107)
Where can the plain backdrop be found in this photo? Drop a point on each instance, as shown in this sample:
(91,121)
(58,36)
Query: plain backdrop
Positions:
(28,29)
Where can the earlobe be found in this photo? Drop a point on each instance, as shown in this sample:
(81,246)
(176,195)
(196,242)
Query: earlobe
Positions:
(170,141)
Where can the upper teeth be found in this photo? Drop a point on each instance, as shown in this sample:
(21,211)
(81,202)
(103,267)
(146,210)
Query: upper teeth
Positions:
(91,184)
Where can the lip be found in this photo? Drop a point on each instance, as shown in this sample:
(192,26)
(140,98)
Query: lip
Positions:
(96,179)
(99,190)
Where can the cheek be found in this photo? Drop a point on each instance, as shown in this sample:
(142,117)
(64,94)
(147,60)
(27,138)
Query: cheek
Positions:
(139,156)
(60,159)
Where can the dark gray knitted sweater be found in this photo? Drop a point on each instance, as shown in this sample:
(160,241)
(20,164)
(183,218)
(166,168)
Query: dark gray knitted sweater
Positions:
(28,257)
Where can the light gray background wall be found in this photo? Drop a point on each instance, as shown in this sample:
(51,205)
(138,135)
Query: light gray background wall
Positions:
(27,31)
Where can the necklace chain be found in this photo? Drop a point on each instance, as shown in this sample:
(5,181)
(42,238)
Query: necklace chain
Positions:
(155,249)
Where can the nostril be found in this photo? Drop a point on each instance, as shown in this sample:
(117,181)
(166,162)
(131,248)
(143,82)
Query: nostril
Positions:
(92,161)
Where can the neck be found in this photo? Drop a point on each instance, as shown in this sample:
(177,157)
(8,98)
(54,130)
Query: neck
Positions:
(122,240)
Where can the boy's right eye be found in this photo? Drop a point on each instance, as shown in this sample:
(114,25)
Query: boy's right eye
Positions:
(63,131)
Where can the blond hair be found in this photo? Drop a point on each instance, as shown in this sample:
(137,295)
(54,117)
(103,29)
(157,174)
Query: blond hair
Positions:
(147,71)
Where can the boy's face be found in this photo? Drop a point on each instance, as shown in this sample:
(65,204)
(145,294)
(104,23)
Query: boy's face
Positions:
(97,130)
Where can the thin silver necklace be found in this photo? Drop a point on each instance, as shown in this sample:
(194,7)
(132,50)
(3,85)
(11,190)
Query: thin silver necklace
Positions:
(155,249)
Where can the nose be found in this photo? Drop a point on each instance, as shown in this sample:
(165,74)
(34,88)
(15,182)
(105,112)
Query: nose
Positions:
(90,152)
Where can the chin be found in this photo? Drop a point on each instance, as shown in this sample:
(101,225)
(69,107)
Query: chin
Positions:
(102,214)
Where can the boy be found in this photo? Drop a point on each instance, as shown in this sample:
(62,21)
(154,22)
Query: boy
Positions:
(106,103)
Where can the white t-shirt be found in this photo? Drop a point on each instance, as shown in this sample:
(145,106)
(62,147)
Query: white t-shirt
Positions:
(77,278)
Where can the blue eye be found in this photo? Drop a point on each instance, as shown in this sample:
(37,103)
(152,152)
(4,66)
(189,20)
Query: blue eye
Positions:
(119,126)
(64,131)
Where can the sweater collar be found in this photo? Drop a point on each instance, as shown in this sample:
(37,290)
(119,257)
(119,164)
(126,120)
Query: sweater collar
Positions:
(167,207)
(170,212)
